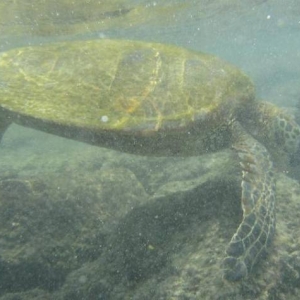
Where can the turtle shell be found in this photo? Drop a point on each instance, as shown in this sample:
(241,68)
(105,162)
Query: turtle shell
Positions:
(121,87)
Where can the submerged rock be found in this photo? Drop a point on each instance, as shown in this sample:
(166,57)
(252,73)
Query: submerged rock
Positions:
(104,225)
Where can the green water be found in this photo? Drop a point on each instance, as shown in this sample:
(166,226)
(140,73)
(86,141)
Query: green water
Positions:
(81,222)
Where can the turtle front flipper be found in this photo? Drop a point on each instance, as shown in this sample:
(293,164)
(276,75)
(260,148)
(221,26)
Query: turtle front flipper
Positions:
(256,231)
(4,123)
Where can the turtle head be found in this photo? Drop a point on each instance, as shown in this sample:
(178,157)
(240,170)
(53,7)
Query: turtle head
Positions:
(274,128)
(287,135)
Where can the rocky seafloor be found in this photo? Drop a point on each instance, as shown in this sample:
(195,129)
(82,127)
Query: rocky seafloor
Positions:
(81,222)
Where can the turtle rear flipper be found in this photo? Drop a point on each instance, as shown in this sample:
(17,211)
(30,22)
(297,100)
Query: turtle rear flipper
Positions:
(256,231)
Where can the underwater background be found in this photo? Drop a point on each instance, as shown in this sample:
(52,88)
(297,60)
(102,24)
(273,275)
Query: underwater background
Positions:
(82,222)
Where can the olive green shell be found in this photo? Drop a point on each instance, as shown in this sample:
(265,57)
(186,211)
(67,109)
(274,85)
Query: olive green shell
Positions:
(119,86)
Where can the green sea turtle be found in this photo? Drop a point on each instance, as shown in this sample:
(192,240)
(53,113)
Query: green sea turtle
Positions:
(155,99)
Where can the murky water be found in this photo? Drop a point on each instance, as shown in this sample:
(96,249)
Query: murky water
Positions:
(81,222)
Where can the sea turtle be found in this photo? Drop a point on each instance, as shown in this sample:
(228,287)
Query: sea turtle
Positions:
(155,99)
